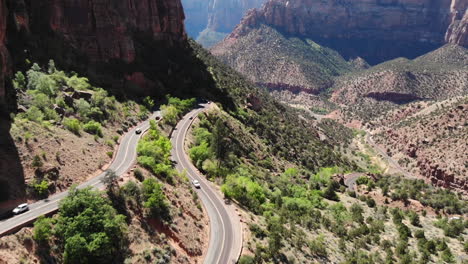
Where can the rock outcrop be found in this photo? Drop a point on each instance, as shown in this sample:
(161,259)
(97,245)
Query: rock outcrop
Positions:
(3,51)
(96,31)
(376,30)
(458,30)
(426,138)
(215,18)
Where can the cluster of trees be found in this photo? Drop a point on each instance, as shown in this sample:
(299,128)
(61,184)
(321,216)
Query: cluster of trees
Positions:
(175,109)
(398,188)
(154,151)
(87,229)
(212,148)
(44,93)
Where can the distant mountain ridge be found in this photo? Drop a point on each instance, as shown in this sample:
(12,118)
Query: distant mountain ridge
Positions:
(375,30)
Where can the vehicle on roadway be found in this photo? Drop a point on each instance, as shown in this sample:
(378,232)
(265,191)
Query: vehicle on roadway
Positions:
(158,118)
(138,131)
(191,118)
(196,184)
(21,209)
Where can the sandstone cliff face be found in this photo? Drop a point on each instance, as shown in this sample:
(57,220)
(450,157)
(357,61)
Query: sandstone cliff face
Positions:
(220,16)
(377,30)
(458,30)
(3,51)
(97,30)
(103,29)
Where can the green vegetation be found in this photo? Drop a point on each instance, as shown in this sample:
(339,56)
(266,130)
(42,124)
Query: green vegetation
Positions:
(73,125)
(87,229)
(94,128)
(175,109)
(154,150)
(154,199)
(43,229)
(437,198)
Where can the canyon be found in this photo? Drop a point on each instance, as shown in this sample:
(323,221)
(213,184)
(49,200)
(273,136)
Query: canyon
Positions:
(375,30)
(210,21)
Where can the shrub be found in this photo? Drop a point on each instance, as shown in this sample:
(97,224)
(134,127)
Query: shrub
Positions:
(139,175)
(73,125)
(414,218)
(42,229)
(94,128)
(41,188)
(246,260)
(34,114)
(37,162)
(318,247)
(155,200)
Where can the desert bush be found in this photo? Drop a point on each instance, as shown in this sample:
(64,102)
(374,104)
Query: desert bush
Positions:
(94,128)
(73,125)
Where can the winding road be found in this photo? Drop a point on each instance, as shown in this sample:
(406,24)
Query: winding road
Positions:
(225,227)
(122,162)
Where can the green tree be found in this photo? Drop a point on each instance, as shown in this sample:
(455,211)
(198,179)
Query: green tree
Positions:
(41,188)
(89,228)
(155,200)
(170,114)
(200,153)
(34,74)
(78,83)
(47,85)
(19,82)
(42,230)
(219,140)
(148,102)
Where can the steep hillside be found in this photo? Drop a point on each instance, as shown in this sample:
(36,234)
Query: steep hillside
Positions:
(210,21)
(438,75)
(271,59)
(374,30)
(429,139)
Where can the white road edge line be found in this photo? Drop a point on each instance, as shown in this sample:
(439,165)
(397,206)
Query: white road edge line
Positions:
(184,133)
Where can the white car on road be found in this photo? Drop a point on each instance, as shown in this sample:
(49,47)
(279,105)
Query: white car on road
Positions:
(196,184)
(21,209)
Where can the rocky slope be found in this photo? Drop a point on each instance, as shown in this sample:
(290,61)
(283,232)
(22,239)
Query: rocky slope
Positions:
(270,59)
(375,30)
(438,75)
(210,21)
(437,146)
(102,31)
(458,30)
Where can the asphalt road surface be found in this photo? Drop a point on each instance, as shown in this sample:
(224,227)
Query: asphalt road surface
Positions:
(225,227)
(125,158)
(385,156)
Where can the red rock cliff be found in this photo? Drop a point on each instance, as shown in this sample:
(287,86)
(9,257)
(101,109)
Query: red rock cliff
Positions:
(458,30)
(3,51)
(100,29)
(420,25)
